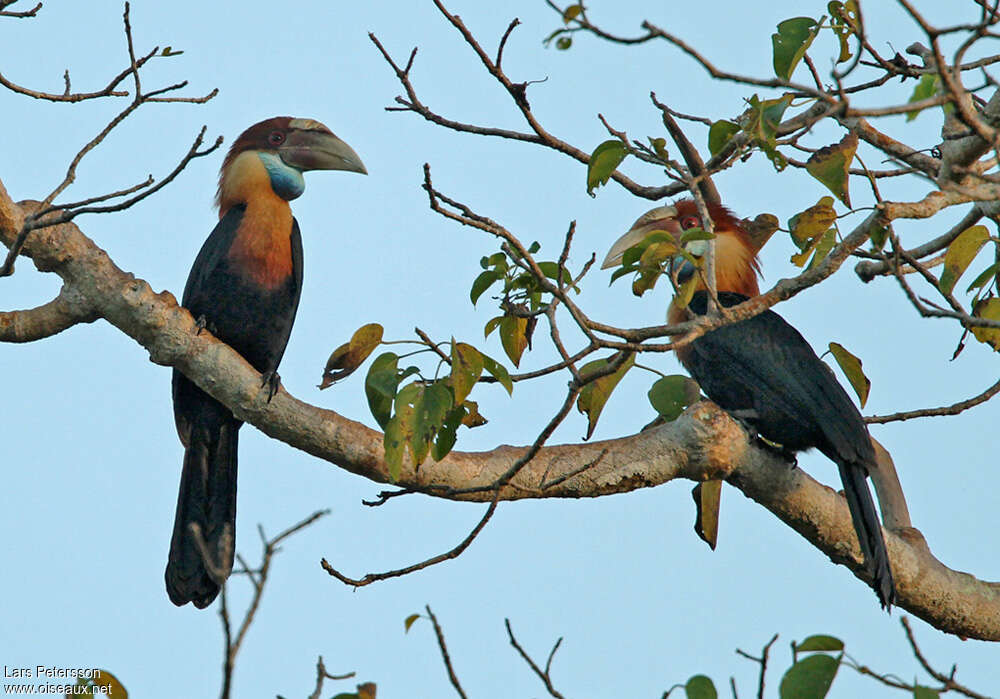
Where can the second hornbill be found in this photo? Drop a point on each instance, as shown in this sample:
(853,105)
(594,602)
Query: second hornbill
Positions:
(244,287)
(763,371)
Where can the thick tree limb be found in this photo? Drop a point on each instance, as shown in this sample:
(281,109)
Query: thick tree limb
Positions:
(703,444)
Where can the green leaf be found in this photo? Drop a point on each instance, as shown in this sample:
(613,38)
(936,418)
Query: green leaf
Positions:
(700,687)
(169,51)
(986,275)
(595,394)
(823,247)
(426,408)
(499,372)
(921,692)
(380,386)
(660,147)
(926,87)
(564,42)
(671,395)
(878,236)
(394,442)
(350,355)
(790,43)
(763,118)
(820,642)
(851,366)
(483,282)
(347,695)
(720,133)
(514,337)
(466,368)
(603,161)
(491,325)
(447,434)
(686,292)
(830,166)
(693,234)
(408,622)
(989,309)
(960,254)
(809,678)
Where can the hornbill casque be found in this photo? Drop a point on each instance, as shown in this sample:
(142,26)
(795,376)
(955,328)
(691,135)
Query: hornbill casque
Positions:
(763,372)
(244,287)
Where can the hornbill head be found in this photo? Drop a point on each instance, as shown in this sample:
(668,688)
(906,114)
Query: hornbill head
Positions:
(736,266)
(285,147)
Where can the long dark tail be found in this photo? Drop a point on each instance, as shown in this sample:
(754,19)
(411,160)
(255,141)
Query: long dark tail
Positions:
(869,531)
(207,499)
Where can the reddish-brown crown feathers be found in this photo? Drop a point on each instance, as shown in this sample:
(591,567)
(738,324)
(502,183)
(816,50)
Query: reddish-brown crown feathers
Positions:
(736,265)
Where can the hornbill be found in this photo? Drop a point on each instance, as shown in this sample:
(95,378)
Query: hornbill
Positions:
(244,287)
(763,372)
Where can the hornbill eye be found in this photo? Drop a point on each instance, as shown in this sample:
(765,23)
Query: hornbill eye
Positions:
(690,222)
(276,138)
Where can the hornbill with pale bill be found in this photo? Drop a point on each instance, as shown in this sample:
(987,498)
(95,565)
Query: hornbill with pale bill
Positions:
(244,287)
(763,371)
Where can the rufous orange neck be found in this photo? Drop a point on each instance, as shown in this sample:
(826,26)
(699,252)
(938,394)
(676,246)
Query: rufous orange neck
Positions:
(262,248)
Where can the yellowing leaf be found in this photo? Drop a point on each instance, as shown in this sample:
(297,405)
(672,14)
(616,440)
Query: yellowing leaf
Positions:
(844,18)
(571,12)
(595,394)
(790,43)
(989,309)
(350,355)
(603,161)
(408,622)
(812,223)
(960,254)
(466,368)
(851,366)
(472,418)
(513,337)
(707,500)
(830,166)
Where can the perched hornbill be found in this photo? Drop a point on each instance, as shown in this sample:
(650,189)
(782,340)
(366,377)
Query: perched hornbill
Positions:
(244,287)
(764,372)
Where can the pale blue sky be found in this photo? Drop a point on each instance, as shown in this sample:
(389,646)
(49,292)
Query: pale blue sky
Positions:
(91,459)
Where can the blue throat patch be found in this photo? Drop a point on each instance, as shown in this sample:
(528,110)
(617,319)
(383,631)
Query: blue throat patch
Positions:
(286,181)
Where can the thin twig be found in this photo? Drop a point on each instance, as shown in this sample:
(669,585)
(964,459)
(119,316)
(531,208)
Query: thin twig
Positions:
(444,654)
(434,560)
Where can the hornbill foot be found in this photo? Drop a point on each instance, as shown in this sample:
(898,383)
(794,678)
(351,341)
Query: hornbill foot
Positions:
(746,419)
(272,380)
(201,322)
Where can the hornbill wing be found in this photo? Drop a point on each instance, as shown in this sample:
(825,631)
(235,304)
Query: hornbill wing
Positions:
(212,252)
(765,365)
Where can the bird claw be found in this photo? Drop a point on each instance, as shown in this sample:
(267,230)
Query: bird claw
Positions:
(746,418)
(272,380)
(202,323)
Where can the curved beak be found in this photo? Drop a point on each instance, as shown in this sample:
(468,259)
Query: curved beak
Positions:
(655,219)
(614,256)
(312,149)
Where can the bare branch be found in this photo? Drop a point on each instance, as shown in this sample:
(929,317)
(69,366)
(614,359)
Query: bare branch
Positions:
(953,409)
(543,675)
(434,560)
(452,677)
